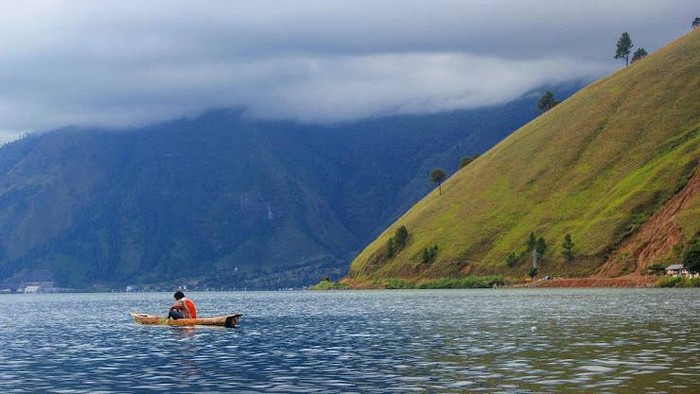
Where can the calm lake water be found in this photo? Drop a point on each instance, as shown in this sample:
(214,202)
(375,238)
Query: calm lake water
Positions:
(499,340)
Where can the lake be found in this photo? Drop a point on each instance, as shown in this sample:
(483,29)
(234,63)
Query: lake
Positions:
(495,340)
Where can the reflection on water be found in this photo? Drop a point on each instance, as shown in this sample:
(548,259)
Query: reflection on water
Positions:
(524,340)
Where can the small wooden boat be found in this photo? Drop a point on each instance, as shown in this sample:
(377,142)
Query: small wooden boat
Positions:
(221,321)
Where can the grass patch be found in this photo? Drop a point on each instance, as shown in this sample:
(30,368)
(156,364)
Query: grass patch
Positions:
(326,284)
(470,282)
(678,281)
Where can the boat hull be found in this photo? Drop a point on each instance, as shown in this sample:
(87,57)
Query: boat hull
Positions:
(219,321)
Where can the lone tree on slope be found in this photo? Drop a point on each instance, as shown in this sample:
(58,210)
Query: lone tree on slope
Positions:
(547,101)
(639,54)
(624,48)
(696,22)
(438,175)
(568,247)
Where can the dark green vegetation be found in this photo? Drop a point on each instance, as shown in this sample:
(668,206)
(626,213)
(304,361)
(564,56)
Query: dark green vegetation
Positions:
(469,282)
(691,261)
(327,284)
(221,200)
(429,254)
(568,247)
(656,269)
(639,54)
(396,243)
(679,281)
(614,166)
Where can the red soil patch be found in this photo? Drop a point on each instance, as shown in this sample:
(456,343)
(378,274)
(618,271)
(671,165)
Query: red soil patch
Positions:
(655,239)
(626,281)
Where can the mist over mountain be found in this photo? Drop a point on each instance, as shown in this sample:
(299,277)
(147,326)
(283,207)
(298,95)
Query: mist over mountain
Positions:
(222,200)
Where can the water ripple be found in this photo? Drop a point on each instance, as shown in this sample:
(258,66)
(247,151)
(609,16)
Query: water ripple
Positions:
(516,341)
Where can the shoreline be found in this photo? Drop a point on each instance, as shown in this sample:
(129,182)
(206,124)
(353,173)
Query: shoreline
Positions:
(629,281)
(595,282)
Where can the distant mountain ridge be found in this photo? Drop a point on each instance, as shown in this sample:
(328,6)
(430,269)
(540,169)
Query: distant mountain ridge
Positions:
(615,166)
(221,200)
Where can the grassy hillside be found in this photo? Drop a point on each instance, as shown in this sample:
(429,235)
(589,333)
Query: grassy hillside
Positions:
(597,166)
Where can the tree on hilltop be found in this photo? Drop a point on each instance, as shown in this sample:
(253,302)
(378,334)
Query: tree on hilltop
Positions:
(696,22)
(547,102)
(624,48)
(639,54)
(438,176)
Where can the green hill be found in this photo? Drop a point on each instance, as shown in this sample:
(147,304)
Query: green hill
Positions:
(612,166)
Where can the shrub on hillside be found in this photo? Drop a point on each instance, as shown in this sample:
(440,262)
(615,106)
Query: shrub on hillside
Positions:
(395,283)
(511,260)
(470,282)
(429,254)
(656,269)
(327,284)
(677,281)
(396,243)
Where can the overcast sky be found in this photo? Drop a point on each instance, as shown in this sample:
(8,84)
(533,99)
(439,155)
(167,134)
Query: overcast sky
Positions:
(128,63)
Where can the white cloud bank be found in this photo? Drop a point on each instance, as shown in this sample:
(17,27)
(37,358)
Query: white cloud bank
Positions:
(127,63)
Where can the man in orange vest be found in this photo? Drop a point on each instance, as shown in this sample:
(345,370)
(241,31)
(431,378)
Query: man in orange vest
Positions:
(183,308)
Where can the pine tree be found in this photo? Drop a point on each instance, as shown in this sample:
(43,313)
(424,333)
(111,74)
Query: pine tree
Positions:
(568,246)
(390,248)
(541,247)
(624,48)
(401,237)
(531,242)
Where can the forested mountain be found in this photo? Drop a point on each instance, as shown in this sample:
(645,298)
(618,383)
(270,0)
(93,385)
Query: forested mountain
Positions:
(614,167)
(222,200)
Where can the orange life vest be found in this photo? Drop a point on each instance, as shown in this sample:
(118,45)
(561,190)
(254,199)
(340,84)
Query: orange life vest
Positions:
(190,310)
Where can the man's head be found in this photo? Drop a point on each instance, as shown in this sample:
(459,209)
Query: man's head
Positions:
(179,295)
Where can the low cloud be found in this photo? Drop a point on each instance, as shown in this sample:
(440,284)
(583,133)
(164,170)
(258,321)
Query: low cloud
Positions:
(128,63)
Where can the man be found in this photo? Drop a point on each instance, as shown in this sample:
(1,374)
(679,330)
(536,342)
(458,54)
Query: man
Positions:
(183,308)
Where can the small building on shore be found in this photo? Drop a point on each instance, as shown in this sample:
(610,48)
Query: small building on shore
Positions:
(679,270)
(32,289)
(37,287)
